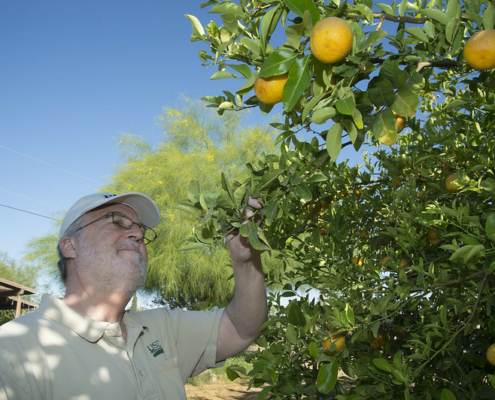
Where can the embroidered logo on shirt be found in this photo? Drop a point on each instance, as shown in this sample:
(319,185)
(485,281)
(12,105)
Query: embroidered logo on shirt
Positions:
(155,348)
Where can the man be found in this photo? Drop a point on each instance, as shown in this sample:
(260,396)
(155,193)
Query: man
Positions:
(86,346)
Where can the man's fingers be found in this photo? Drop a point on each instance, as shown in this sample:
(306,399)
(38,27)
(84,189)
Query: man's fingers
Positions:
(255,203)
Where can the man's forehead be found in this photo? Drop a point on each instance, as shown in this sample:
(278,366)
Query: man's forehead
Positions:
(109,207)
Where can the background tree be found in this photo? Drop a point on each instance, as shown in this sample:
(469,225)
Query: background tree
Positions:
(199,145)
(399,248)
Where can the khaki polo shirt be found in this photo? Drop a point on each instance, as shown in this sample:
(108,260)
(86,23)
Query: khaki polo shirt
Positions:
(56,353)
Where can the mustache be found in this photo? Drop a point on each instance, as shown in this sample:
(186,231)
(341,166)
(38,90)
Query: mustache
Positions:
(131,243)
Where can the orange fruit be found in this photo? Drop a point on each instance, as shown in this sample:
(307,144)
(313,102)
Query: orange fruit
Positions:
(479,50)
(432,236)
(449,183)
(338,340)
(490,354)
(400,122)
(357,260)
(269,90)
(381,340)
(331,40)
(384,260)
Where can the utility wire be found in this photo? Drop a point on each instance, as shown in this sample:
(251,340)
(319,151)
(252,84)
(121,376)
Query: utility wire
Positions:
(24,197)
(50,165)
(29,212)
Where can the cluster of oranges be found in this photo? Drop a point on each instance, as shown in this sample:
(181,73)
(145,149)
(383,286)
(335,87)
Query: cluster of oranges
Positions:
(331,41)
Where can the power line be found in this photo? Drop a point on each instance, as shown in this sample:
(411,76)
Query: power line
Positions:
(24,197)
(29,212)
(50,165)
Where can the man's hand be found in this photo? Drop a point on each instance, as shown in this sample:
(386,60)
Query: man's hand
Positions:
(242,319)
(240,249)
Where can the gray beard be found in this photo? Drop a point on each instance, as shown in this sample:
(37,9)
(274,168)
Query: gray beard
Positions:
(112,274)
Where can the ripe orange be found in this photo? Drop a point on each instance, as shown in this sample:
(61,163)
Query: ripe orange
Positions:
(490,354)
(400,122)
(479,50)
(432,236)
(364,234)
(357,260)
(269,90)
(449,183)
(381,340)
(331,40)
(384,260)
(338,340)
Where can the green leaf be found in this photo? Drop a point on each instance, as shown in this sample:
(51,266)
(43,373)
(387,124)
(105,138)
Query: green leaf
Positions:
(406,102)
(290,334)
(228,8)
(231,374)
(447,395)
(317,178)
(490,227)
(461,251)
(334,141)
(322,115)
(242,69)
(474,251)
(327,377)
(373,37)
(269,23)
(203,234)
(196,26)
(346,106)
(488,17)
(298,81)
(418,33)
(492,380)
(303,192)
(269,178)
(194,191)
(295,314)
(313,350)
(383,364)
(270,212)
(187,209)
(277,63)
(253,237)
(192,246)
(221,75)
(349,314)
(299,6)
(386,7)
(437,15)
(381,92)
(384,127)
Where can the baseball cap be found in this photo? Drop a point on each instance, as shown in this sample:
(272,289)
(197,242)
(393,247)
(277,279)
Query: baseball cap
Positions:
(145,208)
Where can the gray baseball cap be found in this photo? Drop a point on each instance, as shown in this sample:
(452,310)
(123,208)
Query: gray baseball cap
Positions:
(145,208)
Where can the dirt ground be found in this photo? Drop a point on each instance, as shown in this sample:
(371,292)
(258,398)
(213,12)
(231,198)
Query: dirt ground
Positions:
(222,389)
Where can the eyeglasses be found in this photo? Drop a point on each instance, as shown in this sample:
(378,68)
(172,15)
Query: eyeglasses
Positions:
(124,222)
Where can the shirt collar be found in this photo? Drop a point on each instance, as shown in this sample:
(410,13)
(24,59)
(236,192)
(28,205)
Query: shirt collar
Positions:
(89,329)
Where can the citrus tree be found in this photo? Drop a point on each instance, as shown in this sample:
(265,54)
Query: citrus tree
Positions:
(399,249)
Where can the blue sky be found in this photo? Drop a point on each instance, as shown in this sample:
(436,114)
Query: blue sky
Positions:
(73,76)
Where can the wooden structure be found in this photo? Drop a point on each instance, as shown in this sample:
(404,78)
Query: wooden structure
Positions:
(11,297)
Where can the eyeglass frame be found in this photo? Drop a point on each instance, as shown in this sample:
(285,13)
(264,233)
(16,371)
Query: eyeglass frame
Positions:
(146,241)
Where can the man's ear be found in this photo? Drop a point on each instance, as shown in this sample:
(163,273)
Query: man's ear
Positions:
(67,247)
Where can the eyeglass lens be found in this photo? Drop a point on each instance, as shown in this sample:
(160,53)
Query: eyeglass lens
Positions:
(125,222)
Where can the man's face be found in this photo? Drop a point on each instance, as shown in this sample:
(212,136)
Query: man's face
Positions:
(110,257)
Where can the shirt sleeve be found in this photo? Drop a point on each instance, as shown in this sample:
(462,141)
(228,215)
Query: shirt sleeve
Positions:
(196,334)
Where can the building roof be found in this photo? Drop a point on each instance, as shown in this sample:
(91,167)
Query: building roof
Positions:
(10,294)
